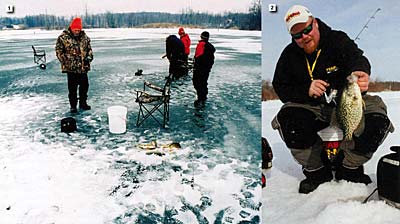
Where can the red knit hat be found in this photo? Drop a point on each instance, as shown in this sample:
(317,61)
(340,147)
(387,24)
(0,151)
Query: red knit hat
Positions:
(181,30)
(76,24)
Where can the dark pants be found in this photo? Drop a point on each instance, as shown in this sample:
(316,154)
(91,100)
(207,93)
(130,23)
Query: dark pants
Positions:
(176,68)
(299,127)
(185,70)
(200,78)
(75,80)
(299,123)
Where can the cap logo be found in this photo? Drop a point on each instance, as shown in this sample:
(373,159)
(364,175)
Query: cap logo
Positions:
(291,15)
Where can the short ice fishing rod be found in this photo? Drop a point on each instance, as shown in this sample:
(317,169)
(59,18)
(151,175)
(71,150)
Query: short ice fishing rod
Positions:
(366,24)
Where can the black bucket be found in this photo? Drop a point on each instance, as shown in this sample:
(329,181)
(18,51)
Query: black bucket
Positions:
(388,177)
(68,125)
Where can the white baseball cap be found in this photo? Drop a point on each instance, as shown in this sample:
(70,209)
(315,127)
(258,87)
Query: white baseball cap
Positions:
(296,14)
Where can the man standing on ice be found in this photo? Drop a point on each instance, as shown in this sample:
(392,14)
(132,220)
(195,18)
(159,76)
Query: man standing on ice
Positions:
(316,61)
(186,43)
(74,52)
(203,62)
(175,52)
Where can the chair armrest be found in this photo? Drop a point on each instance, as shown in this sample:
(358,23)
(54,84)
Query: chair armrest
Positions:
(38,52)
(140,92)
(144,97)
(152,86)
(41,52)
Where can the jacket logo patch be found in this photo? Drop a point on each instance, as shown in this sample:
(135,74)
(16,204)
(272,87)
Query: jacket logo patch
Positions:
(331,69)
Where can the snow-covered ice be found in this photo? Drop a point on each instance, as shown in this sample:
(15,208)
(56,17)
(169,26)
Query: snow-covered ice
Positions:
(333,202)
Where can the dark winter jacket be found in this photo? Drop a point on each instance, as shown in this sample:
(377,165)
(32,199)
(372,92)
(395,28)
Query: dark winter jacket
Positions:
(74,53)
(204,56)
(174,48)
(338,58)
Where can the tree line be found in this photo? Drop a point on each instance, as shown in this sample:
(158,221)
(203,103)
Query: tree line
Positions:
(243,21)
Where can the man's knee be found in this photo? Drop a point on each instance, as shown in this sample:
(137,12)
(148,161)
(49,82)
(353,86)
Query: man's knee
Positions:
(376,129)
(297,127)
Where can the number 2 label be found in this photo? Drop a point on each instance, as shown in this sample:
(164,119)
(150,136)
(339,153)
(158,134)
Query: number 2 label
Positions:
(272,7)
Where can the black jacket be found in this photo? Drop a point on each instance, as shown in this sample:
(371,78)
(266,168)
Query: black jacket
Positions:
(338,58)
(174,48)
(204,56)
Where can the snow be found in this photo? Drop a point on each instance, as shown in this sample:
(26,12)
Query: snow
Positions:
(333,202)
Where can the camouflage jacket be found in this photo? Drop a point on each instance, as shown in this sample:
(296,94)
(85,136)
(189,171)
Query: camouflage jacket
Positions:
(74,53)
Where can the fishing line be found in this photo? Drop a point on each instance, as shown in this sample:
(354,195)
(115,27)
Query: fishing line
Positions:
(358,38)
(366,24)
(366,200)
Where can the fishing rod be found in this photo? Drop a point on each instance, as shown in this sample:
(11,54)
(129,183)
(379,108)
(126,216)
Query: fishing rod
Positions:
(357,38)
(331,97)
(366,24)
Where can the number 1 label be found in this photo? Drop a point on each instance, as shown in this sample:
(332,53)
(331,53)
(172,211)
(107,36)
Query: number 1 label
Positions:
(10,9)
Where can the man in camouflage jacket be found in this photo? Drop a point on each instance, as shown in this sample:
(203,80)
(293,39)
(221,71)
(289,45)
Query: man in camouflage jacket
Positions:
(74,52)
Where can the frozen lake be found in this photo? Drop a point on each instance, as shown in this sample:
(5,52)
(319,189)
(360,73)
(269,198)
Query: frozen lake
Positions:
(93,176)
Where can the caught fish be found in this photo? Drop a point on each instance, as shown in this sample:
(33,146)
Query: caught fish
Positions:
(153,146)
(349,111)
(148,146)
(173,145)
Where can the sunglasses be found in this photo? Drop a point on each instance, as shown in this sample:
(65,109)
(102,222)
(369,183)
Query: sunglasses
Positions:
(306,30)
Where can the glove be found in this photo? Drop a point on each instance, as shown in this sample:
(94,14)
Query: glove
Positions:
(89,58)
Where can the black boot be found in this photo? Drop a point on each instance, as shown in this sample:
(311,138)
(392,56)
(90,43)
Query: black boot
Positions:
(352,174)
(199,103)
(73,102)
(314,179)
(84,106)
(73,110)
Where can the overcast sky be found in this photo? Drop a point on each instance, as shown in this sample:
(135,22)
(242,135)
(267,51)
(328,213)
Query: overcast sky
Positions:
(380,41)
(77,7)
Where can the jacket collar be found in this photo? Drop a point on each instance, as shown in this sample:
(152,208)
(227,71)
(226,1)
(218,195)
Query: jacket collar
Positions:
(69,32)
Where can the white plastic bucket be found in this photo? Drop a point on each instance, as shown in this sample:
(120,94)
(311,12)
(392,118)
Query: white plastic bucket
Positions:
(117,119)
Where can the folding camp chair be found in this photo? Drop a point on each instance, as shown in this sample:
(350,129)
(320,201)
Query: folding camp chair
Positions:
(39,57)
(154,102)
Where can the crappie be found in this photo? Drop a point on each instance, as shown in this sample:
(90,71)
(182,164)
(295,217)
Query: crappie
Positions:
(349,111)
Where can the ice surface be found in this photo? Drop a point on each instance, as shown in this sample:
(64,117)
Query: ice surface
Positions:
(93,176)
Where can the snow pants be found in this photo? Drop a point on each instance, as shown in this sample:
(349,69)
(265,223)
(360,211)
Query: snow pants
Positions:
(298,125)
(176,68)
(75,80)
(200,79)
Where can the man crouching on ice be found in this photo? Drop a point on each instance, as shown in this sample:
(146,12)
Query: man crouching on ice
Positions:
(317,61)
